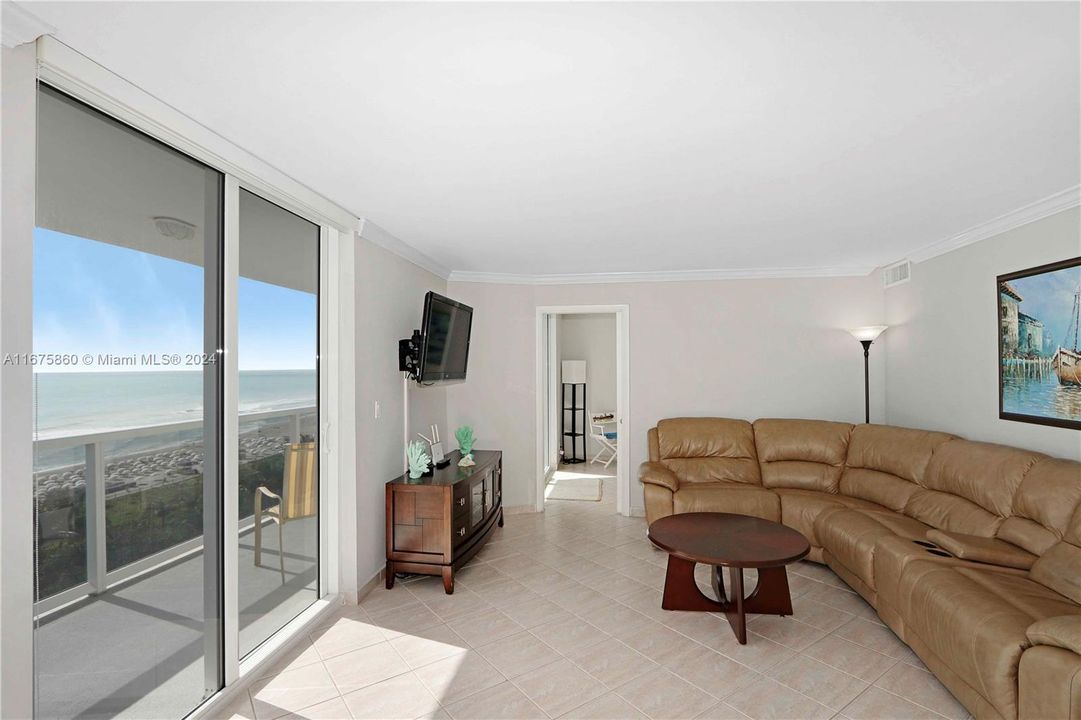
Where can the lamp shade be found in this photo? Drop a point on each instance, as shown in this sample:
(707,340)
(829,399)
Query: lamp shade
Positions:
(574,371)
(870,332)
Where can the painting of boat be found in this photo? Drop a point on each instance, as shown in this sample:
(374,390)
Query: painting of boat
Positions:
(1067,365)
(1039,328)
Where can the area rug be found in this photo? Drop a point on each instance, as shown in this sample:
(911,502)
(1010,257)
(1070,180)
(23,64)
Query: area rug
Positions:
(588,489)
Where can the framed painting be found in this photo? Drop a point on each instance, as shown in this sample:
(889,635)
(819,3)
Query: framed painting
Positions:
(1039,344)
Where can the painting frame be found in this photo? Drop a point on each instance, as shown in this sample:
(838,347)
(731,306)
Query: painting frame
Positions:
(1003,414)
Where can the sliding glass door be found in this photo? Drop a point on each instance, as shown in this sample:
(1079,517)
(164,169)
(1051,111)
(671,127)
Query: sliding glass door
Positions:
(278,322)
(127,463)
(133,574)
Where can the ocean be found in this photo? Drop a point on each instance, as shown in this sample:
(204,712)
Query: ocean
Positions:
(80,403)
(1043,397)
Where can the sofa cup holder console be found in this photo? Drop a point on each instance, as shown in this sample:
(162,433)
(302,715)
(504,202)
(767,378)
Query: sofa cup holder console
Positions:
(932,549)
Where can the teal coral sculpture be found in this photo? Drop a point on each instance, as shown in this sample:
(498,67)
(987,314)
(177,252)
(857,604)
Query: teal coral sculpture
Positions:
(418,459)
(464,435)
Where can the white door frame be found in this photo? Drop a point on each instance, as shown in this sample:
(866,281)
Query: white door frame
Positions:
(623,412)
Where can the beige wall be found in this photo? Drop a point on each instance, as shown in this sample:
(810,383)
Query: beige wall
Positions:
(592,337)
(942,345)
(390,301)
(498,394)
(743,348)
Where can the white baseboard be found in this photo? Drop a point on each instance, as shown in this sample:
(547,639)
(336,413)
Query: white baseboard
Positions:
(376,580)
(637,512)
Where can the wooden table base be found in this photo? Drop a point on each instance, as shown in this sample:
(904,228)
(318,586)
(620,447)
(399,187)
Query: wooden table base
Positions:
(770,597)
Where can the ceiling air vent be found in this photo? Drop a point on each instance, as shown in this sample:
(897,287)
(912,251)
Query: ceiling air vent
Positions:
(900,272)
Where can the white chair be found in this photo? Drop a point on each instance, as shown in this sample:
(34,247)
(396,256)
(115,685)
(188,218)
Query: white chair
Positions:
(608,440)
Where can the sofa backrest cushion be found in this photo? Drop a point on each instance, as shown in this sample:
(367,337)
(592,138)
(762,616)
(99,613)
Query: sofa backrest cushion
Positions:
(969,486)
(805,454)
(708,449)
(1043,505)
(885,463)
(1059,568)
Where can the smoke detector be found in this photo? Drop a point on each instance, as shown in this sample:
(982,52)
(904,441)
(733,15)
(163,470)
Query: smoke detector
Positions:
(174,228)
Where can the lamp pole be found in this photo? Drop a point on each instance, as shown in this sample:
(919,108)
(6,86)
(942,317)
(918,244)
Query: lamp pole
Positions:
(866,380)
(866,336)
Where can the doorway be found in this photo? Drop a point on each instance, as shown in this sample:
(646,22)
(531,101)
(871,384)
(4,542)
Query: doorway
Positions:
(582,408)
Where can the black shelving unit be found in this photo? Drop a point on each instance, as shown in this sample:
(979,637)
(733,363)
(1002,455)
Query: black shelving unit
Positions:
(576,431)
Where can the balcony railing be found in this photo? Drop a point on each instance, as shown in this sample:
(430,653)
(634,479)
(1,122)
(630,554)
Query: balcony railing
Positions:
(263,436)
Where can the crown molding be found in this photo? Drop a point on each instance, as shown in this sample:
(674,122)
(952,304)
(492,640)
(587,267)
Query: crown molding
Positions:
(378,236)
(1063,200)
(19,26)
(658,276)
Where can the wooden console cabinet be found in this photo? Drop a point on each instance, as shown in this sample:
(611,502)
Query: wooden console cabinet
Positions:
(436,524)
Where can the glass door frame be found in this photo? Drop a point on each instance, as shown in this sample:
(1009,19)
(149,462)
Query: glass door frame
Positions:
(327,483)
(74,74)
(235,666)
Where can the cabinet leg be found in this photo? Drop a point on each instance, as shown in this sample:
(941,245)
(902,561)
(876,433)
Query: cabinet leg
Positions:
(390,575)
(448,580)
(500,517)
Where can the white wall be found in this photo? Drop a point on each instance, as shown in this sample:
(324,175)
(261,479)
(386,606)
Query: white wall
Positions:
(592,337)
(942,345)
(389,303)
(16,447)
(742,348)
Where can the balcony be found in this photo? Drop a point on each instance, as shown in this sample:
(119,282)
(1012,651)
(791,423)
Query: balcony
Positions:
(120,560)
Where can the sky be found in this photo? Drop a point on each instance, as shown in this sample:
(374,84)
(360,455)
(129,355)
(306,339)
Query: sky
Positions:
(95,298)
(1049,299)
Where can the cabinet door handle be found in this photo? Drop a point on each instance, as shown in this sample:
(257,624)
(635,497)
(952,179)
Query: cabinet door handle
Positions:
(461,532)
(461,501)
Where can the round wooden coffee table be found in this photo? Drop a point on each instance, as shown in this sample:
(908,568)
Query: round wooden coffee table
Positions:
(735,542)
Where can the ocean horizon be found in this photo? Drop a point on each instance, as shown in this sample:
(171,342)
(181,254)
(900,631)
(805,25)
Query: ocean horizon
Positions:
(79,403)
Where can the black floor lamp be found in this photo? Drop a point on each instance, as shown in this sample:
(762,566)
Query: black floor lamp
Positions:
(866,336)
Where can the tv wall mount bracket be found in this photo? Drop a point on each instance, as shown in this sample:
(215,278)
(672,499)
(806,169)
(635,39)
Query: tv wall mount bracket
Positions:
(409,354)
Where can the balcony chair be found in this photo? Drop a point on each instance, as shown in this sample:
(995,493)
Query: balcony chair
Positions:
(608,440)
(300,501)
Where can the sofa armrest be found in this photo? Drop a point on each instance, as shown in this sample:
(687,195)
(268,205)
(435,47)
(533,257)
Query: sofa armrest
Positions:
(982,549)
(653,473)
(1063,631)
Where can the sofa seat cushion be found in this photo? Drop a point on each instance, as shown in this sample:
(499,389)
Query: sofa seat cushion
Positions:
(975,621)
(892,556)
(800,508)
(850,536)
(729,497)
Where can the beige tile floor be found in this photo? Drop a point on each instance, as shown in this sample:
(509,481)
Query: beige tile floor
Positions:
(559,617)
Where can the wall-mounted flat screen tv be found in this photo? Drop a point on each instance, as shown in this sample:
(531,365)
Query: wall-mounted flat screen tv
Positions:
(446,328)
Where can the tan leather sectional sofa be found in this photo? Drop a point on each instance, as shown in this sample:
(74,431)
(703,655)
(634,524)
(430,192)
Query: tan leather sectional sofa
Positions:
(994,609)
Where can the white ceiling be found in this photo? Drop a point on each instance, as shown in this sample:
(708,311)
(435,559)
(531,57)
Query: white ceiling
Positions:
(588,138)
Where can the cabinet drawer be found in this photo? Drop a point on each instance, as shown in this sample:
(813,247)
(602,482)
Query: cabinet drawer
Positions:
(459,530)
(459,506)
